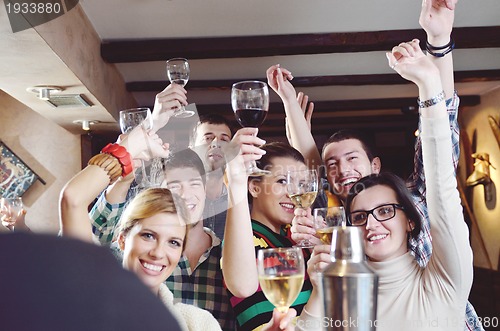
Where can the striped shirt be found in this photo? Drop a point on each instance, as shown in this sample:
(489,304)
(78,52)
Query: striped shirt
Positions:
(256,310)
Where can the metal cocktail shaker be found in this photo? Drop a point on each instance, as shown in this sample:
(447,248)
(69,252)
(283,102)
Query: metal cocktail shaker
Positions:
(348,286)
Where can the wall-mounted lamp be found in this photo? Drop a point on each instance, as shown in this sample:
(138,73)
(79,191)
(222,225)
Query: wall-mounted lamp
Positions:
(481,173)
(43,92)
(86,124)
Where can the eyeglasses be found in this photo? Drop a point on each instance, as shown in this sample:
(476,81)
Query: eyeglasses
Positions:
(381,213)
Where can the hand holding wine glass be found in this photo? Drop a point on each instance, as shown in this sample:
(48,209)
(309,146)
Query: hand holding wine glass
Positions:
(302,187)
(131,118)
(281,275)
(250,103)
(178,73)
(324,221)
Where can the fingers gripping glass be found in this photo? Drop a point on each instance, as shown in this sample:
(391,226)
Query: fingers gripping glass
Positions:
(250,103)
(178,73)
(381,213)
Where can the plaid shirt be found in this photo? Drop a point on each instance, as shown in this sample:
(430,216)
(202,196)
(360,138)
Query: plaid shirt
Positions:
(201,286)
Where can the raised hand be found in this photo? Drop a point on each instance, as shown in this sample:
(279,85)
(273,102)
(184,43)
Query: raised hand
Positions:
(436,18)
(279,79)
(171,98)
(144,145)
(408,60)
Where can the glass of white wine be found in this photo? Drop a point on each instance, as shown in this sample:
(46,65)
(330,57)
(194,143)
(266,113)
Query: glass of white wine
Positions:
(281,275)
(10,209)
(324,221)
(302,188)
(178,73)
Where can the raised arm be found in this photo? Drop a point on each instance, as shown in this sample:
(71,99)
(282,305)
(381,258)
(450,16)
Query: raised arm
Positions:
(82,189)
(452,257)
(279,80)
(239,266)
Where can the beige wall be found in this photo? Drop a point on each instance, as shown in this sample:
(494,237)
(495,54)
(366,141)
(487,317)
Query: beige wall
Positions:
(487,214)
(51,151)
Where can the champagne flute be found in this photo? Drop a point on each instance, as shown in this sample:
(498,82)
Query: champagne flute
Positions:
(250,103)
(281,275)
(129,119)
(10,209)
(302,188)
(324,221)
(178,73)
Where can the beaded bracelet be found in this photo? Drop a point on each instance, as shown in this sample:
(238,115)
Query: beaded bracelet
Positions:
(109,163)
(432,101)
(445,49)
(122,155)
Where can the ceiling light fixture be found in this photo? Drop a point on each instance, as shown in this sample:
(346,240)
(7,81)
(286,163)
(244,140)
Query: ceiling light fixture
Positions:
(44,91)
(86,124)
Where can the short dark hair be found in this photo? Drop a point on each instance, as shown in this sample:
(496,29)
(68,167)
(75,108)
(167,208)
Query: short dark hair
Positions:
(210,119)
(345,134)
(186,158)
(399,187)
(278,149)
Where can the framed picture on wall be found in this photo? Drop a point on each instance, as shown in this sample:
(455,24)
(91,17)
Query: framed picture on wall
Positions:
(15,176)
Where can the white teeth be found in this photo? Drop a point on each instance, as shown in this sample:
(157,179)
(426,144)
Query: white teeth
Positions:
(349,182)
(377,237)
(287,205)
(152,266)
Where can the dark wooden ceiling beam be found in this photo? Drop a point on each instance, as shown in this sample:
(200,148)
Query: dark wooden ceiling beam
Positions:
(142,50)
(313,81)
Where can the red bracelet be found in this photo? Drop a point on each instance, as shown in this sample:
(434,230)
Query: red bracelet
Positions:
(122,155)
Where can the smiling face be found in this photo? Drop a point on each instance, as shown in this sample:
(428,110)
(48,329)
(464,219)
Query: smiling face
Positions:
(188,184)
(347,162)
(152,248)
(208,143)
(271,204)
(383,240)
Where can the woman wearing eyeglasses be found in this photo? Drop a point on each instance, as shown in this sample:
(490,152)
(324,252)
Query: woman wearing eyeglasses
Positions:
(411,297)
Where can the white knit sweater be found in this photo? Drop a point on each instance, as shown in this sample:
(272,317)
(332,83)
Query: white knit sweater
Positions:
(189,317)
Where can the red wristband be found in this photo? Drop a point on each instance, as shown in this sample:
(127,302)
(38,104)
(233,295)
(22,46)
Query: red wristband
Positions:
(122,155)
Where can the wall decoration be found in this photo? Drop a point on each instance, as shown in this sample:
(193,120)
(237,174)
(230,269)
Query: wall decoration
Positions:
(15,176)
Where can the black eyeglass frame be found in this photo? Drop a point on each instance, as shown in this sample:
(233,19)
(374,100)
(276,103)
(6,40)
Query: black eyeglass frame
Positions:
(370,212)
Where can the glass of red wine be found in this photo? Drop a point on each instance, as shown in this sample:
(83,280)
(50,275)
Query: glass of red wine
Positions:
(250,102)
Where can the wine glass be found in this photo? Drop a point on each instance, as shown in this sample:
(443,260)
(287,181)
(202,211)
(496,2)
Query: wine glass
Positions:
(250,102)
(178,73)
(302,188)
(324,221)
(281,275)
(129,119)
(10,209)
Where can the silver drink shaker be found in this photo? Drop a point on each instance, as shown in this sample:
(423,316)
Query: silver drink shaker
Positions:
(348,286)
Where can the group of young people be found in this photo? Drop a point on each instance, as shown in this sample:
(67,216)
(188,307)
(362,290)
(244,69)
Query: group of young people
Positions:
(160,235)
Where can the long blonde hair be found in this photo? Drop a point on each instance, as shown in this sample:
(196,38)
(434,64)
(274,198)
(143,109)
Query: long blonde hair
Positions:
(150,202)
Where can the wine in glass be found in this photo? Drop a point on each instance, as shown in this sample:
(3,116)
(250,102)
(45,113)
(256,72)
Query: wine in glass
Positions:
(250,103)
(178,73)
(302,188)
(131,118)
(324,221)
(281,275)
(10,209)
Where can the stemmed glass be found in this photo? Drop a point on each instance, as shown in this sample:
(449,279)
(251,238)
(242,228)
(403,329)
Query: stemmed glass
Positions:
(10,207)
(281,275)
(302,187)
(178,73)
(250,102)
(324,221)
(129,119)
